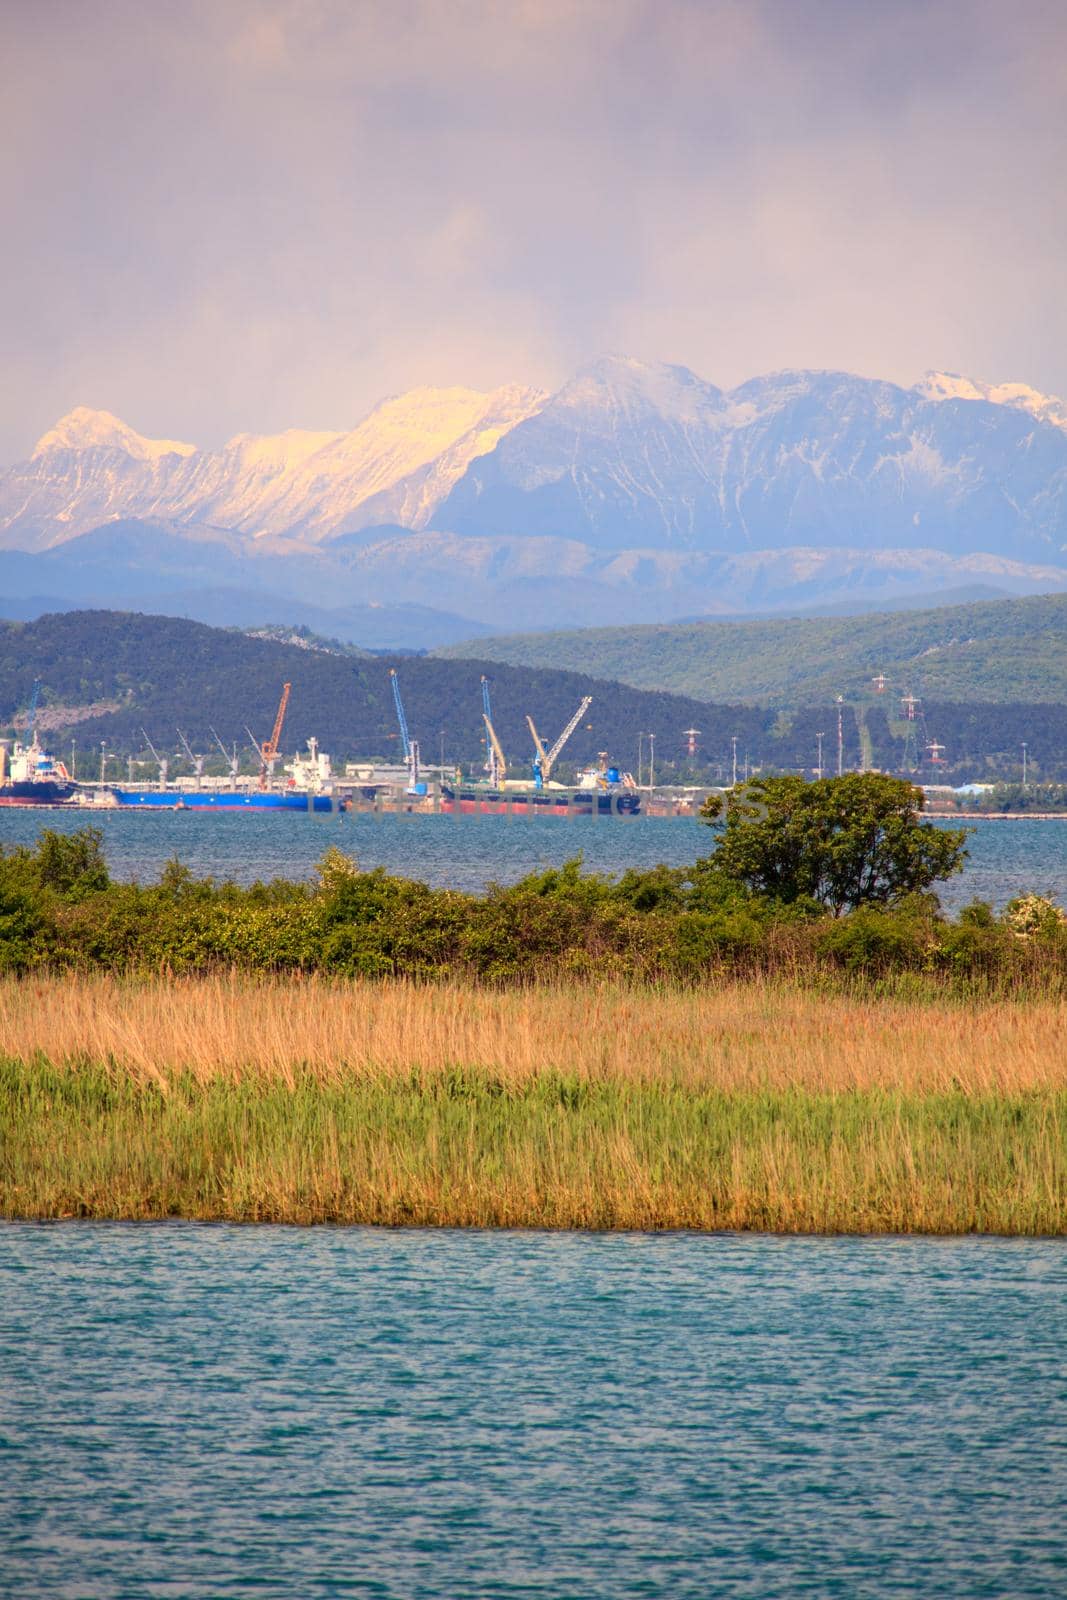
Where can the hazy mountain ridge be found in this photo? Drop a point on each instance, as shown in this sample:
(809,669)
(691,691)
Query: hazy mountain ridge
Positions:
(636,491)
(990,651)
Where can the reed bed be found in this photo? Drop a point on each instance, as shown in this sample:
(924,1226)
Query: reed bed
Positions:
(738,1036)
(747,1106)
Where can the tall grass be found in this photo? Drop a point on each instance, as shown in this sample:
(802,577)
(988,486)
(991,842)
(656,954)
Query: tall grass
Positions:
(732,1037)
(748,1106)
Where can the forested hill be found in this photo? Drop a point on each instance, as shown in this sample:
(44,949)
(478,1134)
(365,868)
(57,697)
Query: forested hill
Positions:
(994,651)
(106,675)
(162,673)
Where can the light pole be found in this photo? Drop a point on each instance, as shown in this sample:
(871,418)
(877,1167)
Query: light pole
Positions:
(733,742)
(840,736)
(103,758)
(651,763)
(73,762)
(818,770)
(640,757)
(1024,763)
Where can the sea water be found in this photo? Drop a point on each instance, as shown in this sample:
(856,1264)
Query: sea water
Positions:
(1006,857)
(200,1411)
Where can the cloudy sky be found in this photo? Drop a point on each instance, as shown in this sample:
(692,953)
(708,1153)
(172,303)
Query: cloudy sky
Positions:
(253,214)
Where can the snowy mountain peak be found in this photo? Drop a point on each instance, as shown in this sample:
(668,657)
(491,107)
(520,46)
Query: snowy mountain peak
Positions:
(951,386)
(86,429)
(638,388)
(403,458)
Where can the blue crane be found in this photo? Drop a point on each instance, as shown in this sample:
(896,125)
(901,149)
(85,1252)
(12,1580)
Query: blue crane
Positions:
(400,717)
(411,746)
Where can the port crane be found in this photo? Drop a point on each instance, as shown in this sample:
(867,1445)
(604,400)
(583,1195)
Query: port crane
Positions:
(545,760)
(161,761)
(495,765)
(411,746)
(197,761)
(268,751)
(232,760)
(31,715)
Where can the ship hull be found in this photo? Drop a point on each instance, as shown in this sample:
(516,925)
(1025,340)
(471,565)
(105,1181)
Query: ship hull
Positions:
(540,802)
(43,792)
(223,800)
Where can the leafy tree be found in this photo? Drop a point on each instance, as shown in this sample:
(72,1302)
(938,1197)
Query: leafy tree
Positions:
(72,864)
(841,842)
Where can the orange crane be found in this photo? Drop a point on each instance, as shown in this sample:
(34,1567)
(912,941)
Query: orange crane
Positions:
(268,752)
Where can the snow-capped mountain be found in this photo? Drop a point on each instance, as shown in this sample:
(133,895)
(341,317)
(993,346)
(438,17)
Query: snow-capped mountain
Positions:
(950,386)
(398,463)
(635,491)
(629,455)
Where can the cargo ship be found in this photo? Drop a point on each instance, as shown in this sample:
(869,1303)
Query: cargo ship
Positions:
(225,799)
(308,787)
(29,776)
(471,798)
(601,791)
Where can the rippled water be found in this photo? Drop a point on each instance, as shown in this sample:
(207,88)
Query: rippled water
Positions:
(1007,858)
(204,1411)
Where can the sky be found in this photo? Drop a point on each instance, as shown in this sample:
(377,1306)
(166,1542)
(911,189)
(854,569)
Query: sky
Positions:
(247,215)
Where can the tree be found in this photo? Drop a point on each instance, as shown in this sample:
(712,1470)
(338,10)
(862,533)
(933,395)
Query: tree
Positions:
(844,842)
(72,864)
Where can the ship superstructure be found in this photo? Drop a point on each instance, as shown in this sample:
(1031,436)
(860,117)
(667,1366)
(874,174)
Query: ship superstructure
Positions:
(29,776)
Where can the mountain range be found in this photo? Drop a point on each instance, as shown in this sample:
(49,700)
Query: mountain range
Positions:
(635,493)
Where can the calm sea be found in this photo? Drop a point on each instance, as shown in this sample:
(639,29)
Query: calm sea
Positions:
(198,1411)
(1007,858)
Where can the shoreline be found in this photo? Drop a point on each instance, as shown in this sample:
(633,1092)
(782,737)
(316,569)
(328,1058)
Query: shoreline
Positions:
(995,816)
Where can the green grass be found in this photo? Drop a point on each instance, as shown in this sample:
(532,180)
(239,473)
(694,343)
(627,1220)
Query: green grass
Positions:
(470,1148)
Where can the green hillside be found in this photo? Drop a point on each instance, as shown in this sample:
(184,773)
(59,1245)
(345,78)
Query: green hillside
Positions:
(106,675)
(994,651)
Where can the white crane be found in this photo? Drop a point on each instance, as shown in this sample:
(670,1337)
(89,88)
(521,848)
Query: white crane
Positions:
(545,760)
(162,761)
(233,761)
(197,761)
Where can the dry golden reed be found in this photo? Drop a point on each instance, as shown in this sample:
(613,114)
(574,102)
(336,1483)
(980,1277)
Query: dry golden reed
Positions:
(746,1106)
(737,1036)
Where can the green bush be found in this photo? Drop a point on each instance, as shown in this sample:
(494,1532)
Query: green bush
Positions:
(59,908)
(875,942)
(71,864)
(22,928)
